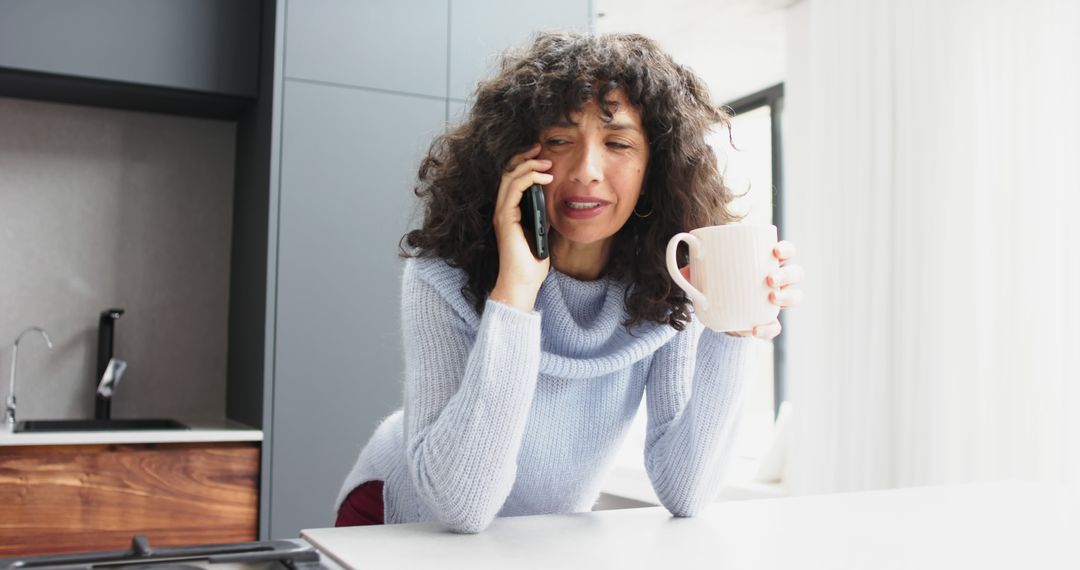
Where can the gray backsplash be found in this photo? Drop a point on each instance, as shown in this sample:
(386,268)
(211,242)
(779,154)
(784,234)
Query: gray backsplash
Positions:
(99,209)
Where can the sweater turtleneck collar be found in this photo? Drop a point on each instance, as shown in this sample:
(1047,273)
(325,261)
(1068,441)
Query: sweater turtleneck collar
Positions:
(582,331)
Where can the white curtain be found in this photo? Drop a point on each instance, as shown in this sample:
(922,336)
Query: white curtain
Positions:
(931,185)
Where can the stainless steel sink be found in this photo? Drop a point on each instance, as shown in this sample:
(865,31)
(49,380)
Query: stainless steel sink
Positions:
(97,425)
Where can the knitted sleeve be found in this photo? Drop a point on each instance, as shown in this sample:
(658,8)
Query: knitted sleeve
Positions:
(467,396)
(694,389)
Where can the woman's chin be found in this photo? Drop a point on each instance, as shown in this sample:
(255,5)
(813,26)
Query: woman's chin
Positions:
(578,235)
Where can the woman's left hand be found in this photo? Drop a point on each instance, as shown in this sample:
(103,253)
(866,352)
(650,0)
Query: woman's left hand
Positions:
(784,292)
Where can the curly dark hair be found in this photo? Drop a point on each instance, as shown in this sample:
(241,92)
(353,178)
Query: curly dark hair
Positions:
(536,87)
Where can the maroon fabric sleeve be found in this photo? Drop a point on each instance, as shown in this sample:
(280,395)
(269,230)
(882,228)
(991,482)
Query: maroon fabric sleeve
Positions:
(363,506)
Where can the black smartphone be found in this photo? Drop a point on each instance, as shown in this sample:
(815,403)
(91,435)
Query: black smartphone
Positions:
(534,220)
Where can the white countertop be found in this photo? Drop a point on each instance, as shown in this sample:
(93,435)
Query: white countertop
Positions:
(987,525)
(220,432)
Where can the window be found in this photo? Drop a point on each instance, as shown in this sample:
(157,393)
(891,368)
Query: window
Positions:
(752,169)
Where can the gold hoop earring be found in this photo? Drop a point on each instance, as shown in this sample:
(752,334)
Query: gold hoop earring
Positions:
(642,215)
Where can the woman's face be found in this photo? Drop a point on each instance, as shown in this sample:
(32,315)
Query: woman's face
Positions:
(598,169)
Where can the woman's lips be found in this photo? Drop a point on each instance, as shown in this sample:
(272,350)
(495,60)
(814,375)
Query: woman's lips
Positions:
(582,208)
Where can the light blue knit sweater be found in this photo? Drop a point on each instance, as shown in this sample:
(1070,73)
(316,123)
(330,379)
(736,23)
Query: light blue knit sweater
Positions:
(519,413)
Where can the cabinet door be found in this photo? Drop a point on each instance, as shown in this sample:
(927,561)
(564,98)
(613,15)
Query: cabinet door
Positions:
(348,169)
(480,30)
(456,112)
(79,498)
(201,45)
(397,46)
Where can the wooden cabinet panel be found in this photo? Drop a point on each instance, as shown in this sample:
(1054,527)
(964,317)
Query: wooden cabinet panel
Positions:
(95,497)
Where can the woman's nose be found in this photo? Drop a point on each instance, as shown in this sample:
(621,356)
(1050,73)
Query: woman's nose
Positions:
(588,165)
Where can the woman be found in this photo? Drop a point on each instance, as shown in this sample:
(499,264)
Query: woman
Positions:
(522,375)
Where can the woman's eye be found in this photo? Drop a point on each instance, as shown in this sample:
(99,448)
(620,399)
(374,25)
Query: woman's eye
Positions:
(614,144)
(556,142)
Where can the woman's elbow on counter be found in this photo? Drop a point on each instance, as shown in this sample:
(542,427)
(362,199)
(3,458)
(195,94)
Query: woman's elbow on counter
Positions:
(469,525)
(680,507)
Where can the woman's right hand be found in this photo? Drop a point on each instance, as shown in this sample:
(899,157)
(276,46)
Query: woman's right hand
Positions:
(520,274)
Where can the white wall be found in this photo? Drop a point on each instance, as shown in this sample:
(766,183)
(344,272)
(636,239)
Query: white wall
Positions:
(737,46)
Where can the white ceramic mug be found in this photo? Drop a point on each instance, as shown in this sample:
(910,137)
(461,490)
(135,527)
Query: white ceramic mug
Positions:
(728,268)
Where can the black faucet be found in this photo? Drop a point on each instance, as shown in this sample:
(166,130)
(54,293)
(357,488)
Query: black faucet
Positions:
(102,404)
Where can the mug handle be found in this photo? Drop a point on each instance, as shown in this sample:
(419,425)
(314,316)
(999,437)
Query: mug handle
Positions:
(699,299)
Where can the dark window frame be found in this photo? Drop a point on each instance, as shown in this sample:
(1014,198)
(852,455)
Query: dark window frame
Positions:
(773,98)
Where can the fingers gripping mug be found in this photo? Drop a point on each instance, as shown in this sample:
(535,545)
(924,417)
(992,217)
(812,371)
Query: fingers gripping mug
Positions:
(728,268)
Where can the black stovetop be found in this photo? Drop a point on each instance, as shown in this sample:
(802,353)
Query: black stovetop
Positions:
(265,555)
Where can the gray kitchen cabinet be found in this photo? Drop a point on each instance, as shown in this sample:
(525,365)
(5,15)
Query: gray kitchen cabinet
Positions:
(396,46)
(209,46)
(335,103)
(482,29)
(455,112)
(349,160)
(360,89)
